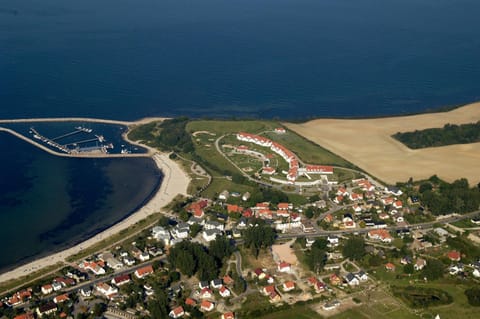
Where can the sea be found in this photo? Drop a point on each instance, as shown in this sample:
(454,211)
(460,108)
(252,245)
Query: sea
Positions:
(273,59)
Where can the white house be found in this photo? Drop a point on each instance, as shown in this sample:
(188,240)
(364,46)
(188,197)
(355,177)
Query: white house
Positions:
(211,224)
(284,267)
(106,290)
(224,292)
(210,234)
(352,280)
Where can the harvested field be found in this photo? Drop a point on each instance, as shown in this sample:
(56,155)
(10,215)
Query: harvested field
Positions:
(368,144)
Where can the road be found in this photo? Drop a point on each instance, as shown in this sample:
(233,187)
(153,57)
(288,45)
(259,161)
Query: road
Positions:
(390,228)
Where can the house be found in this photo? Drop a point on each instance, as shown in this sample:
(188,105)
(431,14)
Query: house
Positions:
(284,206)
(211,224)
(269,278)
(338,199)
(309,242)
(207,305)
(144,271)
(181,230)
(61,298)
(224,292)
(419,264)
(47,309)
(177,312)
(319,287)
(203,285)
(355,197)
(206,293)
(288,286)
(398,204)
(231,209)
(246,196)
(380,234)
(259,273)
(331,305)
(121,280)
(455,269)
(307,226)
(361,275)
(342,192)
(28,315)
(406,260)
(216,283)
(224,195)
(393,190)
(476,273)
(328,218)
(351,279)
(190,302)
(227,280)
(228,315)
(86,292)
(335,280)
(390,267)
(284,267)
(267,290)
(46,289)
(333,241)
(454,255)
(56,286)
(111,261)
(94,267)
(211,234)
(311,281)
(106,290)
(280,130)
(65,282)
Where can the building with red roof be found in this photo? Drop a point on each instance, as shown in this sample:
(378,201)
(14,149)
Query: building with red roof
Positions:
(454,255)
(144,271)
(177,312)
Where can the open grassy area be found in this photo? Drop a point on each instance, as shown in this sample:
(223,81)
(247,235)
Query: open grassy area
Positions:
(300,312)
(308,151)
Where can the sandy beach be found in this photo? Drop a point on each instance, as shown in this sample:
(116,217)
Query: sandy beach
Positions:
(368,144)
(175,181)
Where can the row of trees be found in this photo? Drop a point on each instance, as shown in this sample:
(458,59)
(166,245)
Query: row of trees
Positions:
(444,198)
(448,135)
(258,237)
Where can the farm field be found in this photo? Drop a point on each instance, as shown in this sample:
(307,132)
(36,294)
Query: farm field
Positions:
(368,144)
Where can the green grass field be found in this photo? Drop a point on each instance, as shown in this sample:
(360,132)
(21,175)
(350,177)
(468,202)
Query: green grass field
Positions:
(299,312)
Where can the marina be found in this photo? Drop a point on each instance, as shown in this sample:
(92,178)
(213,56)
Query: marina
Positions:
(76,146)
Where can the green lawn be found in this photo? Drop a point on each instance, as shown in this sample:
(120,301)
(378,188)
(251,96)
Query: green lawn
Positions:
(300,312)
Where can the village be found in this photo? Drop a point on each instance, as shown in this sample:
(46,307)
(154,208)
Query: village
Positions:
(332,252)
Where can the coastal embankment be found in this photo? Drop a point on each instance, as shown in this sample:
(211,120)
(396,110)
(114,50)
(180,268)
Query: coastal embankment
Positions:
(368,144)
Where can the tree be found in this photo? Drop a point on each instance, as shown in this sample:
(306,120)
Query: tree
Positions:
(221,248)
(310,212)
(316,258)
(258,237)
(433,270)
(195,229)
(158,308)
(408,269)
(473,296)
(354,248)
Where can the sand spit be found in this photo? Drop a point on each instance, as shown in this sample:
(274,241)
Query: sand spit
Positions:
(368,144)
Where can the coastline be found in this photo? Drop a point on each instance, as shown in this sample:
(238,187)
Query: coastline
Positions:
(168,190)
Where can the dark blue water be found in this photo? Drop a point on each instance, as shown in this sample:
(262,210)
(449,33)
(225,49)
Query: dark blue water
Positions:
(48,203)
(127,59)
(268,58)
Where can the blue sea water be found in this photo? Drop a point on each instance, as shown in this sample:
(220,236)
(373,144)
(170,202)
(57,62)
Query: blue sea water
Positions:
(127,59)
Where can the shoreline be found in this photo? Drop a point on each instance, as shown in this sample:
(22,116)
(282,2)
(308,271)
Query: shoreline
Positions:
(168,190)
